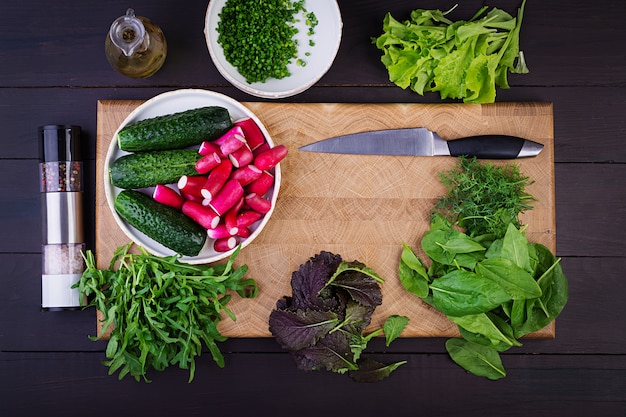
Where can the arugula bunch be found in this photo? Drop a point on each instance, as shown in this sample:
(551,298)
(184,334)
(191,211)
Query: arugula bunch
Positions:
(322,323)
(494,291)
(161,311)
(461,60)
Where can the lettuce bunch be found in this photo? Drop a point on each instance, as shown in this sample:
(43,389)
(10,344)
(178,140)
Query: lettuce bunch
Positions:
(460,60)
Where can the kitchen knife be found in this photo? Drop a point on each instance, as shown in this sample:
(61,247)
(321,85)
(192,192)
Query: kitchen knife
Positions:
(422,142)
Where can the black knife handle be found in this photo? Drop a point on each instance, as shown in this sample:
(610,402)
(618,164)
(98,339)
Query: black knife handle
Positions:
(487,146)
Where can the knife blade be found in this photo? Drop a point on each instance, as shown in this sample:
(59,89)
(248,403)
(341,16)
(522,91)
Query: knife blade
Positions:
(423,142)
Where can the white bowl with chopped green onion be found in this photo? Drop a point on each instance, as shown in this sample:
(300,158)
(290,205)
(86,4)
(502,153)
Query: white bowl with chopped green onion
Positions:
(258,64)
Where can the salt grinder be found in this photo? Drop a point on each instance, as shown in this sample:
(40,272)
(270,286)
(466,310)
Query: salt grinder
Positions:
(61,186)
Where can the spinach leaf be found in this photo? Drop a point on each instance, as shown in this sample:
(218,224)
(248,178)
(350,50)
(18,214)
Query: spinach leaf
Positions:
(493,331)
(393,327)
(555,292)
(477,359)
(461,292)
(413,274)
(515,248)
(518,283)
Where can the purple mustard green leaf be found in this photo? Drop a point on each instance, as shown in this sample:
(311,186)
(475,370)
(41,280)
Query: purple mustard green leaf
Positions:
(361,287)
(331,353)
(371,370)
(302,328)
(309,282)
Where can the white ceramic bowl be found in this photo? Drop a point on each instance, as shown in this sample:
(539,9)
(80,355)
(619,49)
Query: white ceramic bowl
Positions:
(172,102)
(327,38)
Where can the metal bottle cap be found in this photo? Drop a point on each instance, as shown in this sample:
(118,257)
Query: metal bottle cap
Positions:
(60,143)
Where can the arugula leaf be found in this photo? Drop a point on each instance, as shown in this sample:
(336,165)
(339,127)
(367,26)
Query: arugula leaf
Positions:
(161,311)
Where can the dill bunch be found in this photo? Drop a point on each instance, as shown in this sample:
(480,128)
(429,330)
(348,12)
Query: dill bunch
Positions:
(484,198)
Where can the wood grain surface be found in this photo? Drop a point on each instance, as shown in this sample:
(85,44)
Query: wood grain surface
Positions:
(361,207)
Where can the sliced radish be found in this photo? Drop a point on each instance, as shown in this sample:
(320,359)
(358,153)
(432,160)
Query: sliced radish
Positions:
(168,196)
(258,203)
(231,140)
(207,163)
(216,180)
(204,216)
(207,148)
(245,175)
(271,157)
(244,232)
(224,244)
(262,148)
(246,218)
(227,197)
(218,232)
(191,185)
(241,157)
(262,184)
(254,136)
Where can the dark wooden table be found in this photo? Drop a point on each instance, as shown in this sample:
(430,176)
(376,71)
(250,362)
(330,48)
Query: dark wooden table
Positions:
(53,70)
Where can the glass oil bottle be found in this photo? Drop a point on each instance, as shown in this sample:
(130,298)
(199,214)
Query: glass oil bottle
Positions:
(135,46)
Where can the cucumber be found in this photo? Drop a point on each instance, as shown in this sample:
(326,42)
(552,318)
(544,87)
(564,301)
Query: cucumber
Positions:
(147,169)
(175,131)
(166,225)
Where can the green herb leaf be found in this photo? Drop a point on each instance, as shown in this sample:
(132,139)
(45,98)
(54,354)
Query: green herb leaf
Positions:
(393,327)
(161,310)
(477,359)
(461,292)
(413,274)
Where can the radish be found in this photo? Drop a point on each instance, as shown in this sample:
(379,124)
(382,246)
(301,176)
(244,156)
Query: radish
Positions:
(218,232)
(246,218)
(191,185)
(241,157)
(207,163)
(224,244)
(254,136)
(262,184)
(168,196)
(216,180)
(207,148)
(230,218)
(271,157)
(258,203)
(244,232)
(204,216)
(260,149)
(231,140)
(226,197)
(245,175)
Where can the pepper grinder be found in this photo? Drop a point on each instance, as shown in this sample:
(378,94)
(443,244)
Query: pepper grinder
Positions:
(61,187)
(135,46)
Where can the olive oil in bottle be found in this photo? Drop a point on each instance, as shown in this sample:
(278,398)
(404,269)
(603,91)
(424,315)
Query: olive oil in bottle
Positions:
(135,46)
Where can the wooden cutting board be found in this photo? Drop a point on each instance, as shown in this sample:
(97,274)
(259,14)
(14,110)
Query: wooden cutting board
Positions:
(360,207)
